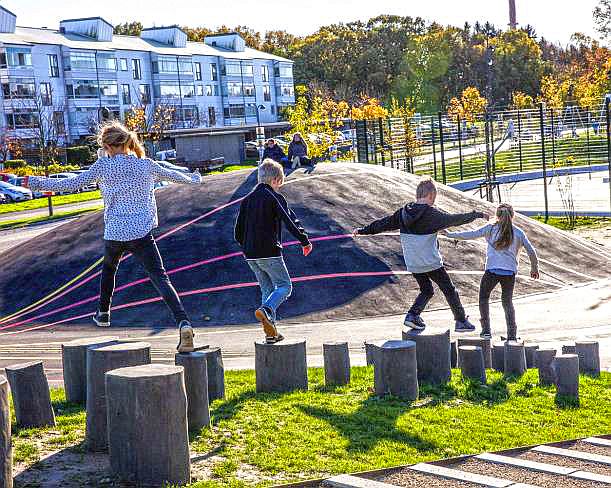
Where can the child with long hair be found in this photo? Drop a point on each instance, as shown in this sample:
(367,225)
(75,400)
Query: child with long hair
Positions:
(127,181)
(505,241)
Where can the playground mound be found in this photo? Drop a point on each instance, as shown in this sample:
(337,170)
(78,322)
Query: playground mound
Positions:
(343,278)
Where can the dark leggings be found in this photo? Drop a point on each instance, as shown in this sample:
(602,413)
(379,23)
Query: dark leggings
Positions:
(489,281)
(146,252)
(441,277)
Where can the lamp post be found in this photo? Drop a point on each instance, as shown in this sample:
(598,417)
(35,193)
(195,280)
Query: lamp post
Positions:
(260,132)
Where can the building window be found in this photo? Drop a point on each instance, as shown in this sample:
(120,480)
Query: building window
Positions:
(126,95)
(283,71)
(264,73)
(211,116)
(20,88)
(109,89)
(212,91)
(59,123)
(53,66)
(106,62)
(17,57)
(145,94)
(234,110)
(251,110)
(82,61)
(247,70)
(286,90)
(136,69)
(233,89)
(214,75)
(22,119)
(249,90)
(200,90)
(198,71)
(45,94)
(123,64)
(267,94)
(231,69)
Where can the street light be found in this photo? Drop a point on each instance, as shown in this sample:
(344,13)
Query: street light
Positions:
(260,132)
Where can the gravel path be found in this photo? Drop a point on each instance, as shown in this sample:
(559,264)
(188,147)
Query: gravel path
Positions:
(587,447)
(565,462)
(412,479)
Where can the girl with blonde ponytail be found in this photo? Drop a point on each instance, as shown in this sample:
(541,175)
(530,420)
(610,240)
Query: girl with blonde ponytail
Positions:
(505,242)
(127,180)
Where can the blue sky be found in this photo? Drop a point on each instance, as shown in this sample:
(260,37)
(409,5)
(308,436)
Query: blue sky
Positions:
(555,20)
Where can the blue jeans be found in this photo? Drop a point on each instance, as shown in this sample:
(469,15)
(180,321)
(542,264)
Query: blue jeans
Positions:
(274,281)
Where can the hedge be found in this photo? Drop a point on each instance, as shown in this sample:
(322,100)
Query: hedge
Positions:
(15,163)
(79,155)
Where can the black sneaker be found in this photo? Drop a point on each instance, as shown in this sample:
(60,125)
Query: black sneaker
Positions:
(510,339)
(464,326)
(414,321)
(486,334)
(102,319)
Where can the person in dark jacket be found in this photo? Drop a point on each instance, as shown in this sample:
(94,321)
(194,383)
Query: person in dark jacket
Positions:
(419,223)
(274,152)
(258,230)
(298,151)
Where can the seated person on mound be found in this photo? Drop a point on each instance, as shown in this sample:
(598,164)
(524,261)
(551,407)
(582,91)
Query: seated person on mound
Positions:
(419,223)
(298,151)
(274,152)
(127,180)
(258,230)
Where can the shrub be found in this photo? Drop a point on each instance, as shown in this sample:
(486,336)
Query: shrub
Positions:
(79,155)
(14,163)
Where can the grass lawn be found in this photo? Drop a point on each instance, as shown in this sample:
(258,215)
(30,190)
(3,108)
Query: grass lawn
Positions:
(57,200)
(24,222)
(272,438)
(581,222)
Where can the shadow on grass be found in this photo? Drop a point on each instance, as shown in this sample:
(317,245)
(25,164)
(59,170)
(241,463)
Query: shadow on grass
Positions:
(374,420)
(566,402)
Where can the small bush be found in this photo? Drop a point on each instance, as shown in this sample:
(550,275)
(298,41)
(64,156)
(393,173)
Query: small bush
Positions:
(14,163)
(79,155)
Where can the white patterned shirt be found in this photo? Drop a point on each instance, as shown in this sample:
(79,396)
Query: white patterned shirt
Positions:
(127,184)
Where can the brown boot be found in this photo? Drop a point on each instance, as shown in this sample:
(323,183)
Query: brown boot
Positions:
(265,317)
(185,343)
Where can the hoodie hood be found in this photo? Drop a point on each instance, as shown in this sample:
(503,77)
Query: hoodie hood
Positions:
(412,213)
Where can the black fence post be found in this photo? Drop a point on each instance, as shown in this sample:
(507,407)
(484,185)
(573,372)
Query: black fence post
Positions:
(552,121)
(459,134)
(391,143)
(434,148)
(352,126)
(520,139)
(488,156)
(441,146)
(608,117)
(493,149)
(542,128)
(406,141)
(589,118)
(382,145)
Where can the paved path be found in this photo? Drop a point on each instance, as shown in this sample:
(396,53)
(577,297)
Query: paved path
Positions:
(43,212)
(549,319)
(14,237)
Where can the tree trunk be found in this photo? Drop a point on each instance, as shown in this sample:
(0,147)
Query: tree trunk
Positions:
(281,367)
(498,357)
(589,357)
(515,359)
(566,375)
(471,360)
(396,369)
(216,374)
(31,396)
(337,363)
(6,453)
(433,355)
(530,351)
(196,385)
(544,364)
(477,341)
(100,360)
(369,353)
(148,436)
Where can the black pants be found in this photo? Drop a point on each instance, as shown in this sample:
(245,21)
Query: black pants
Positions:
(144,250)
(489,281)
(441,277)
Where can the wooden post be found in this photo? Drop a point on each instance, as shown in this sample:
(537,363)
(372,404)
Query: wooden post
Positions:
(281,367)
(530,351)
(471,360)
(589,357)
(433,355)
(515,359)
(100,360)
(74,363)
(569,349)
(498,357)
(148,436)
(369,353)
(6,452)
(477,341)
(544,364)
(337,363)
(31,396)
(196,385)
(453,355)
(396,369)
(566,375)
(216,374)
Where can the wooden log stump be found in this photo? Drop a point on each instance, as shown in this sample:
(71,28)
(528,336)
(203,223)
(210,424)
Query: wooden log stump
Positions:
(472,363)
(515,359)
(477,341)
(498,357)
(589,357)
(74,363)
(544,360)
(281,367)
(396,369)
(369,352)
(196,386)
(148,438)
(453,355)
(6,450)
(530,351)
(337,363)
(566,375)
(432,354)
(216,374)
(569,349)
(100,360)
(31,396)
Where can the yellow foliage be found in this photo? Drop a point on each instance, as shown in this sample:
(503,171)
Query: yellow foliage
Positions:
(521,101)
(468,106)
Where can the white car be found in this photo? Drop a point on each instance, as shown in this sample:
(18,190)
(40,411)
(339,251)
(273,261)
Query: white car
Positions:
(90,186)
(15,193)
(18,181)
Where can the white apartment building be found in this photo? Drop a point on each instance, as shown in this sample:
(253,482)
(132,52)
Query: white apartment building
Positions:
(81,68)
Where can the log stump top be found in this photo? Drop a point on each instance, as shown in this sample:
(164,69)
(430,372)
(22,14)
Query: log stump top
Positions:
(335,343)
(566,356)
(425,332)
(16,367)
(394,344)
(146,371)
(585,343)
(123,346)
(469,348)
(514,344)
(190,355)
(283,343)
(89,341)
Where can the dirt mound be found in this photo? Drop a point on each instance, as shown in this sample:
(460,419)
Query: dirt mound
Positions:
(341,279)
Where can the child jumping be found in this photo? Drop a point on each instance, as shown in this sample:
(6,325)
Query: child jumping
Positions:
(258,230)
(127,180)
(419,223)
(505,241)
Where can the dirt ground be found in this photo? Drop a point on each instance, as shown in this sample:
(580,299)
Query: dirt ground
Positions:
(599,235)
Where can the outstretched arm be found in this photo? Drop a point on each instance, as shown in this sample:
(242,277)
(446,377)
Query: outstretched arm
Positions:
(385,224)
(165,174)
(444,220)
(65,184)
(532,255)
(469,234)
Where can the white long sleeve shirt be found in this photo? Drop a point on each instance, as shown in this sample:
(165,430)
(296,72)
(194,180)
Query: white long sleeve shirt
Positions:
(127,184)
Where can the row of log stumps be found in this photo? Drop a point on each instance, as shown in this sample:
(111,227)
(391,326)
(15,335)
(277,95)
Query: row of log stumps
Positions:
(31,395)
(6,448)
(281,367)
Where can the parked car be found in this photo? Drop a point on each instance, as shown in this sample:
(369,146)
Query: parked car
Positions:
(91,186)
(251,150)
(63,176)
(3,199)
(170,154)
(7,176)
(15,193)
(18,181)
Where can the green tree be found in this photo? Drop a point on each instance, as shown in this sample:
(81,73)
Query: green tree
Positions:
(602,18)
(128,28)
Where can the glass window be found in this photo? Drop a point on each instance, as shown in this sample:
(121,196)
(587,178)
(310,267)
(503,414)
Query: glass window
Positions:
(185,64)
(126,95)
(249,90)
(200,90)
(145,94)
(214,75)
(247,69)
(136,69)
(109,89)
(83,89)
(232,69)
(198,71)
(234,110)
(82,61)
(167,90)
(45,94)
(22,119)
(53,66)
(187,90)
(233,89)
(287,90)
(264,73)
(107,62)
(251,110)
(59,123)
(18,56)
(19,88)
(284,71)
(267,94)
(123,64)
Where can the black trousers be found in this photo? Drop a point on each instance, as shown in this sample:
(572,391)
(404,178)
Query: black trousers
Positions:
(441,277)
(146,252)
(488,283)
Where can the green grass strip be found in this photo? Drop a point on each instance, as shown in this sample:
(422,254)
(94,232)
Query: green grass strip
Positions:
(57,201)
(24,222)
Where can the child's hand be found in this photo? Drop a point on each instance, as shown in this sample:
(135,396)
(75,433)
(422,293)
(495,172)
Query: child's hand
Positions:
(26,181)
(307,249)
(534,274)
(355,233)
(486,216)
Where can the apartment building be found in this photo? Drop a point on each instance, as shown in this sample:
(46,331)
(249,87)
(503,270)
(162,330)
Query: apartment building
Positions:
(66,77)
